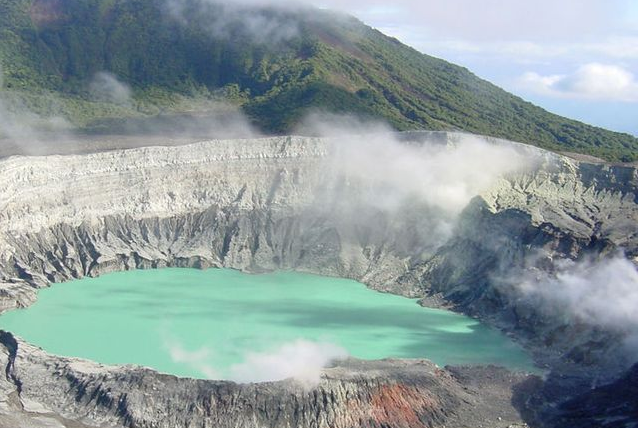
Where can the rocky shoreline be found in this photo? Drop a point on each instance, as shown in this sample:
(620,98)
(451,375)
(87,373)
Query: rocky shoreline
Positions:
(400,393)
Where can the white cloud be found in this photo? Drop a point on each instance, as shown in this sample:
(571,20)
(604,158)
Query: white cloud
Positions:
(491,19)
(198,360)
(106,87)
(444,177)
(619,47)
(602,293)
(521,51)
(26,129)
(301,360)
(370,171)
(485,21)
(591,81)
(223,19)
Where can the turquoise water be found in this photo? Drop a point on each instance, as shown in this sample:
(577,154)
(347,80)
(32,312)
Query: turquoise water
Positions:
(221,323)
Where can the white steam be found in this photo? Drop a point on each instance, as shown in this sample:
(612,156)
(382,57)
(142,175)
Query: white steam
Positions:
(600,293)
(19,124)
(198,360)
(301,360)
(23,128)
(106,87)
(421,186)
(256,19)
(442,176)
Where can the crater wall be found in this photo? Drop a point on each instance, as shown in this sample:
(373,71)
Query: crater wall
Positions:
(279,203)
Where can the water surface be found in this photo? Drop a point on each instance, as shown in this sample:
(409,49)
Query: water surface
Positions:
(207,323)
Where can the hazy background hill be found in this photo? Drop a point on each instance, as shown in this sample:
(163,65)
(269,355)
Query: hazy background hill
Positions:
(92,63)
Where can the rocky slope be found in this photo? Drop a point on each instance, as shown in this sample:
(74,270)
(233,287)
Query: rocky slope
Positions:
(528,225)
(278,203)
(612,405)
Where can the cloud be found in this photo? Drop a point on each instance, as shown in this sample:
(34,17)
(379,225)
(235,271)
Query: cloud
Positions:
(301,360)
(444,176)
(216,120)
(198,360)
(106,87)
(619,47)
(490,19)
(420,183)
(467,19)
(525,51)
(23,127)
(256,19)
(599,293)
(23,130)
(591,81)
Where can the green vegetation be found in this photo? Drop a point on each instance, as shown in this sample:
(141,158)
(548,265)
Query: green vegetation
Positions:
(276,64)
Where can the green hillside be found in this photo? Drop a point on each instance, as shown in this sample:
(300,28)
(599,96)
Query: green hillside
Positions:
(181,56)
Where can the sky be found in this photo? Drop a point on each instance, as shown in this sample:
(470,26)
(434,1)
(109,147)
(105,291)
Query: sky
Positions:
(577,58)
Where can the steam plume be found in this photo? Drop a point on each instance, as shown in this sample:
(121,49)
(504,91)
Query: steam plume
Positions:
(301,360)
(197,360)
(601,293)
(106,87)
(371,170)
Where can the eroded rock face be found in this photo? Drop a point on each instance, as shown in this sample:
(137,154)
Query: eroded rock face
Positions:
(529,224)
(277,203)
(249,205)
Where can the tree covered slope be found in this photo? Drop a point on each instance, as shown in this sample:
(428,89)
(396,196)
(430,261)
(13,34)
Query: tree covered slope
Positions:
(277,64)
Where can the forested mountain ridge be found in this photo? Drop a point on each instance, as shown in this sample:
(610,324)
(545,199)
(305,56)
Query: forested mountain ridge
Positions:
(170,56)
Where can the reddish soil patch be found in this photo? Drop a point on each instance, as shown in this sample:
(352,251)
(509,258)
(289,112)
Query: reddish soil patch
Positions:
(401,405)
